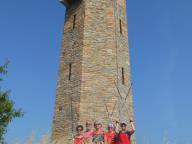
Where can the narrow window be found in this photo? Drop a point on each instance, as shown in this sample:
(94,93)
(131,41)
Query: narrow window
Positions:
(60,108)
(70,67)
(123,76)
(120,26)
(74,21)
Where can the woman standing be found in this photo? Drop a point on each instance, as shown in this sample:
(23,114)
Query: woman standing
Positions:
(98,134)
(88,134)
(79,137)
(110,136)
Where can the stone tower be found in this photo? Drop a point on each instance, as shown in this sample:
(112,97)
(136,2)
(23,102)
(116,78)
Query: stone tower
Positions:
(94,73)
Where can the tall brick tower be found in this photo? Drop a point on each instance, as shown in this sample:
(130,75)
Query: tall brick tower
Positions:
(94,73)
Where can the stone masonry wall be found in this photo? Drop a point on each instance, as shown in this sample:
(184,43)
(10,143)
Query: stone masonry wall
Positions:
(68,94)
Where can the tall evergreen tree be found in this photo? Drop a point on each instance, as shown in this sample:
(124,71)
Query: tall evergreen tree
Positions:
(7,110)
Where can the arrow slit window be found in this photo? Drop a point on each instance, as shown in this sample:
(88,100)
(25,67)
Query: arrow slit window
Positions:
(120,26)
(123,75)
(70,68)
(74,21)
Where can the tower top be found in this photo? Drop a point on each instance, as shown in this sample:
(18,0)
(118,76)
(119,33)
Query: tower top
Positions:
(67,3)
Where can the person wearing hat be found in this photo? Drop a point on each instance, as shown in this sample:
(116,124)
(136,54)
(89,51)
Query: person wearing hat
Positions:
(98,134)
(110,136)
(88,134)
(124,136)
(79,137)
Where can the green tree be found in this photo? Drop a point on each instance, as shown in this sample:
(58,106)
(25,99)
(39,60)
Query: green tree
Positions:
(7,110)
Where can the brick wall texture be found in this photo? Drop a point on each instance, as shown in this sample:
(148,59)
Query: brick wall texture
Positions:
(94,70)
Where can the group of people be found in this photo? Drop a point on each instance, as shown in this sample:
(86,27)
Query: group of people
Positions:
(116,134)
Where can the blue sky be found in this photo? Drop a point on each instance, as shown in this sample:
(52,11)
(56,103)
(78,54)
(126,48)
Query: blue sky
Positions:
(160,41)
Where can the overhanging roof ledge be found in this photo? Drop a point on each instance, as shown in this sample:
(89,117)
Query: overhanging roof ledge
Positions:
(67,3)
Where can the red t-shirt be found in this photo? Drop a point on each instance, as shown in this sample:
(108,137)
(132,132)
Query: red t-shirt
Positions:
(110,137)
(79,140)
(125,137)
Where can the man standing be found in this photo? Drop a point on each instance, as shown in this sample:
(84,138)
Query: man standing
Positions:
(124,136)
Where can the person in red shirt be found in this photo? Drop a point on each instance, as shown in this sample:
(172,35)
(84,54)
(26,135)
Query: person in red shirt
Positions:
(88,134)
(124,136)
(110,135)
(79,137)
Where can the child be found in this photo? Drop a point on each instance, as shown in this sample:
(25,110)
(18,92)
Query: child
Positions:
(79,138)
